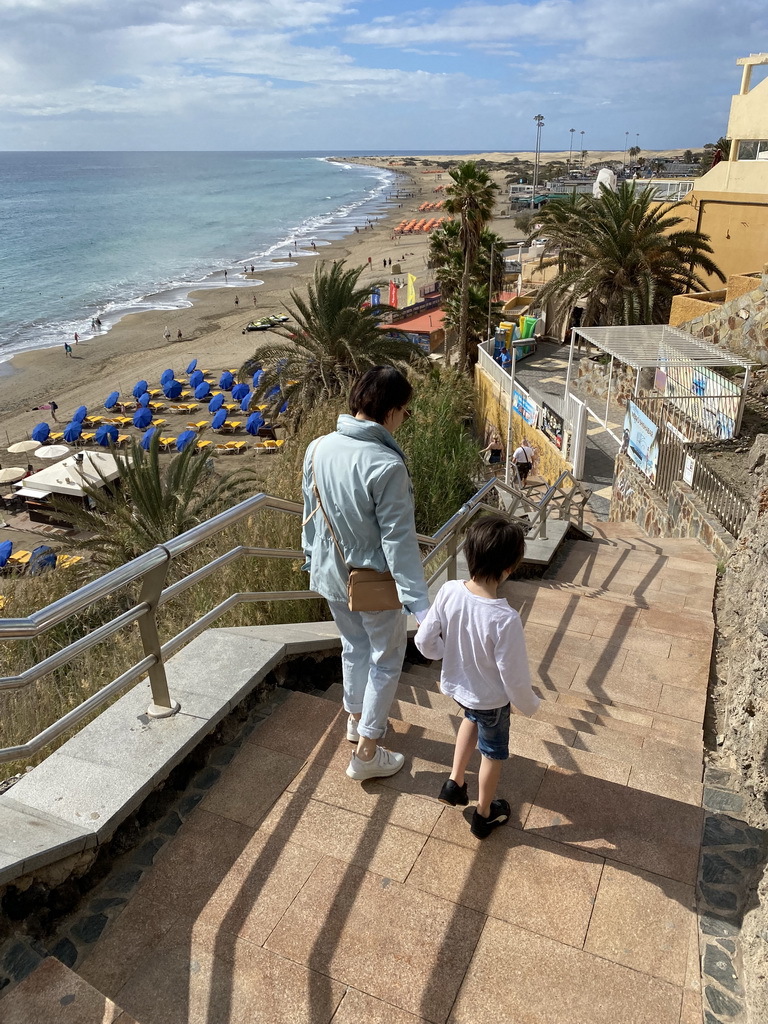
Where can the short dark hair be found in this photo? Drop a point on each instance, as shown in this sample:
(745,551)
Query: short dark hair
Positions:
(380,390)
(493,545)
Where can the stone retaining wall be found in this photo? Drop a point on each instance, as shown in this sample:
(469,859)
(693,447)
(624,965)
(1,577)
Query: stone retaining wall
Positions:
(683,514)
(493,414)
(739,325)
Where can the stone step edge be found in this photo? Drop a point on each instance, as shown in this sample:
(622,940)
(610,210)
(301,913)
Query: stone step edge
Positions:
(421,675)
(621,747)
(45,992)
(603,594)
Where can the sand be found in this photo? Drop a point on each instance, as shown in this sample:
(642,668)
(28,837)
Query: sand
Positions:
(212,327)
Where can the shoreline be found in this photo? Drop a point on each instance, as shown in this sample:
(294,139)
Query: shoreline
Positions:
(211,325)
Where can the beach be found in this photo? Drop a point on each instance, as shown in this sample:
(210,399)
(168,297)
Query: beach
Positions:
(211,327)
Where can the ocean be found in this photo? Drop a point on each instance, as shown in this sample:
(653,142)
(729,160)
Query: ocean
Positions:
(85,235)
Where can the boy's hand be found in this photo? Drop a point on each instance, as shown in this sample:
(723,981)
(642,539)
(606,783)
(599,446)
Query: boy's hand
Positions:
(420,616)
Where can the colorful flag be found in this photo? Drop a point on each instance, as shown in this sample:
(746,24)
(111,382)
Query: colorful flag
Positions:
(410,295)
(393,294)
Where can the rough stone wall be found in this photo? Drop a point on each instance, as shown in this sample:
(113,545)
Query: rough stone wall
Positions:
(593,377)
(741,701)
(683,514)
(741,325)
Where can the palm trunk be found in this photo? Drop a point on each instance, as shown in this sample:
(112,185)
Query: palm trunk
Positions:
(464,313)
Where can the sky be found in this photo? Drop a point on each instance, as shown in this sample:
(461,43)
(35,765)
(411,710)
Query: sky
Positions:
(370,75)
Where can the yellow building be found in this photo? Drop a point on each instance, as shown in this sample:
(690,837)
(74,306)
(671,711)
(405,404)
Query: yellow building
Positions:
(730,202)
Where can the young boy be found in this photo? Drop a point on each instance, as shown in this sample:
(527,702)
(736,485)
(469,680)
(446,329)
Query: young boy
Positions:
(485,666)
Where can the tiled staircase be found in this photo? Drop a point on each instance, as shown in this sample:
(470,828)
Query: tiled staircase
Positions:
(295,895)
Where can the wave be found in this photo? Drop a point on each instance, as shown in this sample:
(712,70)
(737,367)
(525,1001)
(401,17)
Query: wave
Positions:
(173,293)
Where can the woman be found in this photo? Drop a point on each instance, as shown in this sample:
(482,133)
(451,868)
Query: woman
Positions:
(494,450)
(365,490)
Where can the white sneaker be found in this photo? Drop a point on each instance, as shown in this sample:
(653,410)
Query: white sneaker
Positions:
(352,734)
(384,762)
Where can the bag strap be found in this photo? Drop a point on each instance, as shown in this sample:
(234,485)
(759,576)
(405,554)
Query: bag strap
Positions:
(316,492)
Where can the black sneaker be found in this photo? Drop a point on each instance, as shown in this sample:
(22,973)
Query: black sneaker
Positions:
(452,794)
(482,827)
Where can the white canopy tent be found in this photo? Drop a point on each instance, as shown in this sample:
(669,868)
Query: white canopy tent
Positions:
(67,477)
(657,346)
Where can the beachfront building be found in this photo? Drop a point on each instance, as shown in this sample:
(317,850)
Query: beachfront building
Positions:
(730,202)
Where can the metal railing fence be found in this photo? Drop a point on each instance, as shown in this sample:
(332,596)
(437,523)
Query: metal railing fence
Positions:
(150,570)
(680,431)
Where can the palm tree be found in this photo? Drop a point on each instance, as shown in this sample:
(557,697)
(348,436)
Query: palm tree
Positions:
(634,152)
(471,197)
(447,260)
(624,253)
(336,338)
(152,503)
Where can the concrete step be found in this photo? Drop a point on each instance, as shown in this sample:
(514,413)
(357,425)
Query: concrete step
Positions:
(53,994)
(580,711)
(541,739)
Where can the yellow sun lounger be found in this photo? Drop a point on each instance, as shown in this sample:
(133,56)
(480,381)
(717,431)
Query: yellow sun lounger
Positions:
(166,443)
(67,561)
(223,449)
(201,445)
(122,439)
(57,436)
(231,426)
(158,423)
(235,446)
(200,425)
(19,558)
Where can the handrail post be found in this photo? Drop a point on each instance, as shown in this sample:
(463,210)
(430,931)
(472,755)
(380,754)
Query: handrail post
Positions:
(543,519)
(162,706)
(452,555)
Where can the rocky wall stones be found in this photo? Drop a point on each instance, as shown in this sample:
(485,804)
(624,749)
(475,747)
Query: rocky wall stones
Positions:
(740,326)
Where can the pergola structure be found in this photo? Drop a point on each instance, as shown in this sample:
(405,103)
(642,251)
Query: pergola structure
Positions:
(659,347)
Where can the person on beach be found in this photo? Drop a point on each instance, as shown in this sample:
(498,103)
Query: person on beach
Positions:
(77,338)
(253,269)
(67,349)
(98,323)
(167,333)
(237,301)
(358,512)
(54,407)
(225,275)
(179,335)
(479,638)
(254,298)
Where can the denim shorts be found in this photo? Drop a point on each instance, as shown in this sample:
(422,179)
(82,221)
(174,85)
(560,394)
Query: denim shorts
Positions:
(492,731)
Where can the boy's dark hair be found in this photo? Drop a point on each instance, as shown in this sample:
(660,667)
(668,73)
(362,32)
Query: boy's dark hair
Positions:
(380,390)
(492,546)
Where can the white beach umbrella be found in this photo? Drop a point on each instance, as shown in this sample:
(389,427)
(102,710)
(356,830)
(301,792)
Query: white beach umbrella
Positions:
(23,446)
(52,451)
(11,474)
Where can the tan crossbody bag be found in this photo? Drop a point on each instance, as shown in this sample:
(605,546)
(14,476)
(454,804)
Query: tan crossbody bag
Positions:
(367,589)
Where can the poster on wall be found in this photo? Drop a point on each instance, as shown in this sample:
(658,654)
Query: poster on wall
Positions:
(717,399)
(552,426)
(642,437)
(524,407)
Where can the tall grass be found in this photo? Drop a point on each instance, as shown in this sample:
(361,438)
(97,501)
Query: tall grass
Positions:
(442,455)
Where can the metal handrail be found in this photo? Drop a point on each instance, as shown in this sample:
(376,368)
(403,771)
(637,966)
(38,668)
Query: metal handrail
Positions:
(151,568)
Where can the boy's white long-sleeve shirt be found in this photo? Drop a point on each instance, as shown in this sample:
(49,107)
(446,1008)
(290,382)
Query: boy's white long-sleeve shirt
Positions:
(481,643)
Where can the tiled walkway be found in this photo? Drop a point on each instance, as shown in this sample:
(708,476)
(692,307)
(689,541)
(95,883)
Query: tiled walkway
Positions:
(295,895)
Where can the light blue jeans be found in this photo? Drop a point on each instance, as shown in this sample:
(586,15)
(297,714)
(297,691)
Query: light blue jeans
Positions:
(372,652)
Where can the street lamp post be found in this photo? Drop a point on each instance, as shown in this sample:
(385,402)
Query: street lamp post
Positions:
(513,345)
(570,150)
(626,143)
(490,291)
(539,119)
(581,160)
